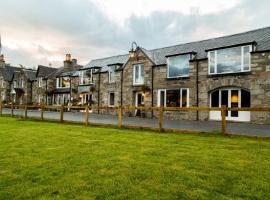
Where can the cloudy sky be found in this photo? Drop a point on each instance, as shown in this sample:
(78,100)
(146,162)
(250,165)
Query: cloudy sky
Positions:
(42,32)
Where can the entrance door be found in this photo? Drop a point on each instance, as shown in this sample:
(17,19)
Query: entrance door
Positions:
(139,102)
(231,98)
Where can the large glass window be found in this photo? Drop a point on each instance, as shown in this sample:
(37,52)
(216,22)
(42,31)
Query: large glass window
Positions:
(63,82)
(230,60)
(112,73)
(173,98)
(178,66)
(138,74)
(86,77)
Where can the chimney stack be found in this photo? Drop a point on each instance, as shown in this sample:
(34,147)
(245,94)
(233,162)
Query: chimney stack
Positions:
(68,57)
(74,61)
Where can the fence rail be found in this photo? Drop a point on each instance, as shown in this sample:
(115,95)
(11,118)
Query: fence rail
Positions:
(120,109)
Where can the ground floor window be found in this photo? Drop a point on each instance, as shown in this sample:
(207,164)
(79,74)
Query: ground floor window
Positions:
(111,99)
(61,99)
(86,99)
(173,97)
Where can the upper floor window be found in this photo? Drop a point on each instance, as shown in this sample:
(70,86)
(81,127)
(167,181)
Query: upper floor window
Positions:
(138,74)
(86,77)
(15,84)
(22,83)
(178,66)
(112,73)
(40,81)
(173,97)
(63,82)
(230,60)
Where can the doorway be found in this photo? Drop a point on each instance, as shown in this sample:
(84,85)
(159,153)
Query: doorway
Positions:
(231,98)
(139,102)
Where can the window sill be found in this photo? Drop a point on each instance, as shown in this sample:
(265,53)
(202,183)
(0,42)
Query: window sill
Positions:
(138,84)
(229,74)
(178,78)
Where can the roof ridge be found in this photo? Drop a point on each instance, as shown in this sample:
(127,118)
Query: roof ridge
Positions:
(225,36)
(110,57)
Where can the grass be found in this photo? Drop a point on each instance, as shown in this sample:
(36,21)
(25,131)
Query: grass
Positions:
(42,160)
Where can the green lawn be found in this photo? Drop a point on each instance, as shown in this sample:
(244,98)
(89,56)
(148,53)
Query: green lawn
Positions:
(42,160)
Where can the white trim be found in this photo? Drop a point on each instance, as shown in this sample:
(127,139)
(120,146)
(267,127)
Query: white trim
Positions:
(109,99)
(165,96)
(242,60)
(141,79)
(168,68)
(59,82)
(110,71)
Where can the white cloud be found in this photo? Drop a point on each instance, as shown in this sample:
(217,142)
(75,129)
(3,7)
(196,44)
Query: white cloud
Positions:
(121,10)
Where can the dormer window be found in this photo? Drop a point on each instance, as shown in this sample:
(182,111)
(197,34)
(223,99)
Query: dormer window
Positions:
(178,66)
(40,81)
(63,82)
(112,73)
(230,60)
(138,74)
(86,77)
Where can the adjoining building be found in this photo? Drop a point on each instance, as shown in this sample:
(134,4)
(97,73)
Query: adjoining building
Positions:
(232,70)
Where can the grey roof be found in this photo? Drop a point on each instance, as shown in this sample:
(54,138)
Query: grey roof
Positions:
(8,72)
(158,56)
(104,62)
(30,74)
(44,71)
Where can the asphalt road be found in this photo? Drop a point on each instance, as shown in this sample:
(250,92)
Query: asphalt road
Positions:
(232,127)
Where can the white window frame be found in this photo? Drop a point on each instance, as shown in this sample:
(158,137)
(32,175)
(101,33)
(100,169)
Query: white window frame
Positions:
(165,96)
(40,82)
(242,61)
(168,68)
(82,77)
(112,68)
(109,99)
(141,82)
(59,82)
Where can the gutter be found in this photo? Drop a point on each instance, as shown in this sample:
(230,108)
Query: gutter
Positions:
(197,88)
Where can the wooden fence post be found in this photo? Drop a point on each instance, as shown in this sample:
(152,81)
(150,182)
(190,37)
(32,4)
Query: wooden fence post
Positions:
(42,113)
(86,115)
(62,114)
(25,112)
(223,120)
(120,116)
(12,111)
(161,119)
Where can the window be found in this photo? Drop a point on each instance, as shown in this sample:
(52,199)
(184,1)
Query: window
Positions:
(86,77)
(15,84)
(230,60)
(112,74)
(138,74)
(61,99)
(111,99)
(173,97)
(40,80)
(22,83)
(63,82)
(178,66)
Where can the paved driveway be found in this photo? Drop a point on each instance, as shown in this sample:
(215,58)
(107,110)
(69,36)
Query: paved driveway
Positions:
(234,128)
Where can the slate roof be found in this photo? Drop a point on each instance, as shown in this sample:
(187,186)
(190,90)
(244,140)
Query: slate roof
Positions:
(44,71)
(30,74)
(158,56)
(8,72)
(61,73)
